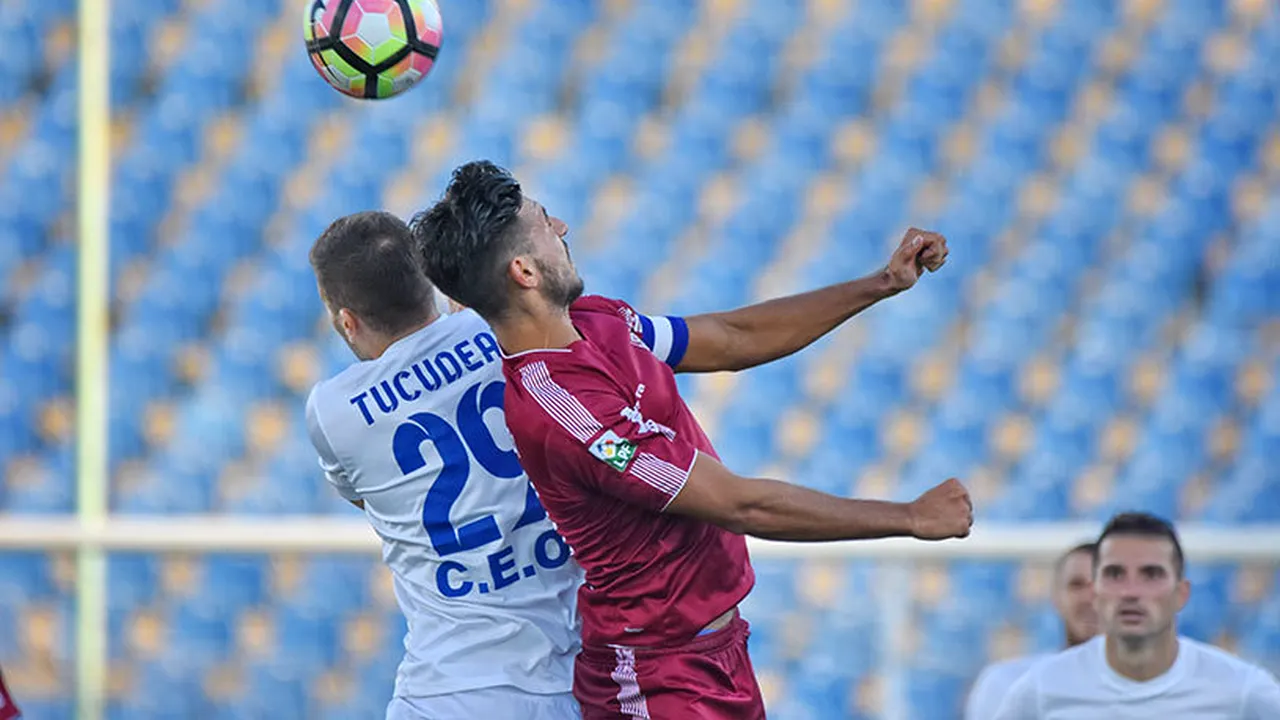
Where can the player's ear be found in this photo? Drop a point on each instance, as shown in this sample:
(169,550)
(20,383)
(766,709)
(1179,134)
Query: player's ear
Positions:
(348,321)
(523,271)
(1184,593)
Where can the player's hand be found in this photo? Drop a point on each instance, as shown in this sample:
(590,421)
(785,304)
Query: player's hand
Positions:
(942,512)
(919,250)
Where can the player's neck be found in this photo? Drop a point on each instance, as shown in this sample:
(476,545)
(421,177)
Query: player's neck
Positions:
(1145,659)
(393,338)
(543,329)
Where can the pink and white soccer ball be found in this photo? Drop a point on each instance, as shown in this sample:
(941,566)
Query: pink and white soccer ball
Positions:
(373,49)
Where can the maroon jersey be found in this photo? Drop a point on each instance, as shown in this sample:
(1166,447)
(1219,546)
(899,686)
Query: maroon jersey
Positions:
(607,441)
(8,709)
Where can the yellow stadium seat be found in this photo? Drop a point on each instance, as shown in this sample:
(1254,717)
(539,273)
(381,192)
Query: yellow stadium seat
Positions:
(145,634)
(158,423)
(1118,440)
(544,139)
(869,695)
(901,436)
(1224,439)
(932,584)
(362,637)
(299,365)
(267,424)
(179,574)
(56,420)
(773,686)
(1068,146)
(1035,580)
(255,634)
(1007,641)
(1271,153)
(873,482)
(797,634)
(59,44)
(853,142)
(1253,583)
(930,12)
(818,583)
(334,687)
(1039,381)
(1146,380)
(121,680)
(1253,382)
(932,377)
(1011,437)
(1248,199)
(1195,495)
(798,432)
(1225,53)
(168,41)
(1146,196)
(719,199)
(750,139)
(1251,12)
(651,139)
(1093,488)
(1172,148)
(1139,13)
(1037,12)
(1198,101)
(960,145)
(286,574)
(224,682)
(1038,198)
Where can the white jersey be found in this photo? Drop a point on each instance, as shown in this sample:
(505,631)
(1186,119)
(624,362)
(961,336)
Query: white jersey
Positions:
(485,582)
(1205,683)
(993,683)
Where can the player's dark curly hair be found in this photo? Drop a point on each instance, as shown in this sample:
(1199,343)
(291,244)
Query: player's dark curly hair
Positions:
(467,239)
(1142,524)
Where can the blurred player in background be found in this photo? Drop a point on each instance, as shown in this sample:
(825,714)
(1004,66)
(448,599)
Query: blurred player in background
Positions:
(8,708)
(623,466)
(413,434)
(1073,600)
(1140,668)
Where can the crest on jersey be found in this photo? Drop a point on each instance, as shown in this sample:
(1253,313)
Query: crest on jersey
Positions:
(614,451)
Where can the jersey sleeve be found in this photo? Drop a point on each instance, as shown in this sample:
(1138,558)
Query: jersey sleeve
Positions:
(594,439)
(1021,702)
(666,336)
(334,472)
(1262,697)
(983,699)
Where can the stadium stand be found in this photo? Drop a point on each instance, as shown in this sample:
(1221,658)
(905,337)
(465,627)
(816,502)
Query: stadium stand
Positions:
(1104,336)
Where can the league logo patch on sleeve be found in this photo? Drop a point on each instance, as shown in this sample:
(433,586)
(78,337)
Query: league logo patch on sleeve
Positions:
(614,451)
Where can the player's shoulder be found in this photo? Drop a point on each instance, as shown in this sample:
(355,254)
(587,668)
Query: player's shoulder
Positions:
(1214,660)
(1007,671)
(608,309)
(1071,663)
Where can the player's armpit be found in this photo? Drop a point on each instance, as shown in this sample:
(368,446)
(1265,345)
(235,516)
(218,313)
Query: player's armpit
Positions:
(357,503)
(779,511)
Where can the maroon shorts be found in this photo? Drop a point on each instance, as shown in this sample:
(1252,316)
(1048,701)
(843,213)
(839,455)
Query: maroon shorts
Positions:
(709,678)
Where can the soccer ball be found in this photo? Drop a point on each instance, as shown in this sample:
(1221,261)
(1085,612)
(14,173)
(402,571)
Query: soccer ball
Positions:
(372,49)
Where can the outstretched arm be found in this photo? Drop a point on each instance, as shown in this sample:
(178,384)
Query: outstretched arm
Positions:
(761,333)
(776,510)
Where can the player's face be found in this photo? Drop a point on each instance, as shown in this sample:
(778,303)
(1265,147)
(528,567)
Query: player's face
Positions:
(1138,590)
(560,283)
(1073,597)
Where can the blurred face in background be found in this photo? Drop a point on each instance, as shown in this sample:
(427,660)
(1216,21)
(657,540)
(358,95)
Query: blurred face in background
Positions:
(1073,597)
(1138,589)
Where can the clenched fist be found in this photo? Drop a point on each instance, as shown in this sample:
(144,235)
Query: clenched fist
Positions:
(919,250)
(942,513)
